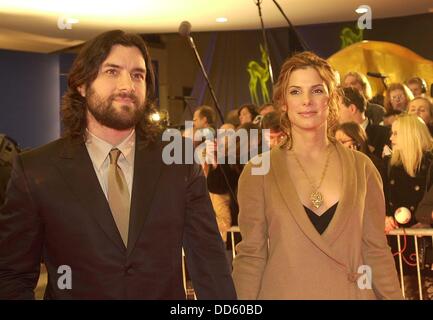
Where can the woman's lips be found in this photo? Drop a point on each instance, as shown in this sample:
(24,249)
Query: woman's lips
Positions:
(307,114)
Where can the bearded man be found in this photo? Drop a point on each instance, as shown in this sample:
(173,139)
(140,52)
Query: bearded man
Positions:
(108,218)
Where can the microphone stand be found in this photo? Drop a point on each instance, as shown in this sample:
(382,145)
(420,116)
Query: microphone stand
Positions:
(384,83)
(265,40)
(212,92)
(197,56)
(303,44)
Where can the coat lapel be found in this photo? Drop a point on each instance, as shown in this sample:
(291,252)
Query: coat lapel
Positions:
(147,169)
(293,203)
(76,168)
(345,204)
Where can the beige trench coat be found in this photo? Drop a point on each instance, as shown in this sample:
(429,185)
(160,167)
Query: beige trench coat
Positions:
(298,262)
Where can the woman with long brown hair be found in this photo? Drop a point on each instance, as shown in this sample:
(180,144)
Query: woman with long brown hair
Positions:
(312,227)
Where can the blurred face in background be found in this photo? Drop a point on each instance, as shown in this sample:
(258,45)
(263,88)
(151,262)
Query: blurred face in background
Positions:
(398,100)
(351,81)
(421,108)
(245,116)
(199,122)
(394,136)
(345,140)
(346,113)
(415,88)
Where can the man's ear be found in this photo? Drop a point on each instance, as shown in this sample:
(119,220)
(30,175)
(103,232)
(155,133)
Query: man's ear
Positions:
(82,90)
(353,108)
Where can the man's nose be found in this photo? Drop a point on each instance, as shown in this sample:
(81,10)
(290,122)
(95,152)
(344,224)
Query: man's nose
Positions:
(125,82)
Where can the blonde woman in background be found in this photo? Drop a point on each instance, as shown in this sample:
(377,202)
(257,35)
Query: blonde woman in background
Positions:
(409,177)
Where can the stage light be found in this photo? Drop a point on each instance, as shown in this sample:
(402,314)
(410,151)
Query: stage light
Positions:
(221,19)
(160,118)
(155,117)
(361,9)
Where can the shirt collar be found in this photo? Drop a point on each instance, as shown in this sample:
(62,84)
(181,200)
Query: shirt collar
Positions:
(100,148)
(364,124)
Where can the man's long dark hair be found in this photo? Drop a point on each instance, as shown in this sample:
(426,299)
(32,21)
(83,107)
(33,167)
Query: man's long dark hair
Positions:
(85,70)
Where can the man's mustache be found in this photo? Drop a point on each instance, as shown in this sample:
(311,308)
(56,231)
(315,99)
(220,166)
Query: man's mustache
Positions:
(131,96)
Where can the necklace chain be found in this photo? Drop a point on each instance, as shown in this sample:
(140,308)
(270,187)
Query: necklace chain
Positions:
(316,197)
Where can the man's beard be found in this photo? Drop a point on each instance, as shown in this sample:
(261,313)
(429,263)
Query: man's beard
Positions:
(120,118)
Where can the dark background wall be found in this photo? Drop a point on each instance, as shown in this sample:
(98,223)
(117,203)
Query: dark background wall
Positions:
(29,97)
(413,32)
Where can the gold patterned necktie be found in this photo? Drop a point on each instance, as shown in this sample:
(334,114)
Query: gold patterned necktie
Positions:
(118,196)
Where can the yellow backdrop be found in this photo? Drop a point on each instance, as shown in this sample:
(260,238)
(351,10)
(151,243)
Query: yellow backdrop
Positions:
(395,61)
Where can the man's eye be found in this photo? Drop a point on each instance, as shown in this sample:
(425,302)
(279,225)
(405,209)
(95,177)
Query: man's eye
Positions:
(111,72)
(138,76)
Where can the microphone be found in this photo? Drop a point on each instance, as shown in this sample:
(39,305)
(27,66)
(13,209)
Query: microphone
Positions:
(402,215)
(184,31)
(376,75)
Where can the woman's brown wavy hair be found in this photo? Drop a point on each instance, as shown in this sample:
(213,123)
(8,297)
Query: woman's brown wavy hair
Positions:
(84,71)
(301,61)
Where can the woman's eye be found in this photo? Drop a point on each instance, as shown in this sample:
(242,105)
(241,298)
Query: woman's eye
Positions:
(318,91)
(294,92)
(111,71)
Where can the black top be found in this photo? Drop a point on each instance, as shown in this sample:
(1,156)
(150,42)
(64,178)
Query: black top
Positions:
(378,137)
(321,222)
(402,190)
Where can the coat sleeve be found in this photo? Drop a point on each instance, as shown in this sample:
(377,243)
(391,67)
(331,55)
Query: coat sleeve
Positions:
(424,211)
(204,249)
(20,239)
(375,250)
(252,251)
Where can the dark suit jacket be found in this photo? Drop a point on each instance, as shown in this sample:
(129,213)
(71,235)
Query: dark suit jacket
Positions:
(378,137)
(5,173)
(375,112)
(423,213)
(55,208)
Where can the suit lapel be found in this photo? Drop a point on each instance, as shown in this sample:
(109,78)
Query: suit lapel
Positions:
(77,170)
(293,203)
(147,169)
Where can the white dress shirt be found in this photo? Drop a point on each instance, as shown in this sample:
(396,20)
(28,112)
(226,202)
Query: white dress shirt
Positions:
(364,124)
(99,151)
